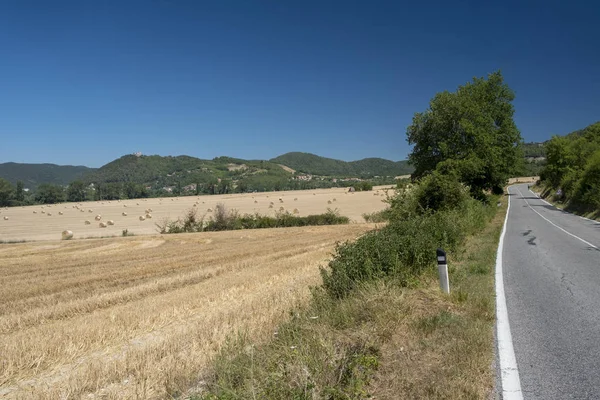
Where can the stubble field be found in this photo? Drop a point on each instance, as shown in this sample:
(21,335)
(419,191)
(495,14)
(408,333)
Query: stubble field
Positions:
(35,223)
(140,317)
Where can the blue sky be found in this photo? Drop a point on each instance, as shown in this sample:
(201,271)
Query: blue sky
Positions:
(85,82)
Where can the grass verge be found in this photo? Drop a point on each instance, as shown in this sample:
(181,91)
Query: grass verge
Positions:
(386,339)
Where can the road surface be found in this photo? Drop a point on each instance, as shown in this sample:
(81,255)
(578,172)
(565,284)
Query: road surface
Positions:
(551,269)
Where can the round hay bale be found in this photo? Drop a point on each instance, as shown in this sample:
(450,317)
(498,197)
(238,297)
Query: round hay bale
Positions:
(90,210)
(334,199)
(281,209)
(6,218)
(43,212)
(98,217)
(328,201)
(124,205)
(296,211)
(195,205)
(142,218)
(60,213)
(255,201)
(49,214)
(82,210)
(295,199)
(124,214)
(67,235)
(137,204)
(35,212)
(87,222)
(209,210)
(110,222)
(148,216)
(102,225)
(150,209)
(270,205)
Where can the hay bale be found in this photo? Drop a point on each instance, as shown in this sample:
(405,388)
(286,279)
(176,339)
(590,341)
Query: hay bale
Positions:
(98,217)
(209,210)
(255,201)
(296,211)
(142,218)
(6,218)
(35,212)
(67,235)
(148,216)
(295,199)
(328,201)
(49,214)
(334,199)
(43,212)
(82,210)
(110,222)
(87,222)
(90,210)
(60,213)
(281,209)
(124,214)
(271,205)
(102,225)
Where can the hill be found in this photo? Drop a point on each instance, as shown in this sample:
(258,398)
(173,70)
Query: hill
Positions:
(33,175)
(312,164)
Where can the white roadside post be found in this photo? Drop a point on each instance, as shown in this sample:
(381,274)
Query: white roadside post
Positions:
(443,271)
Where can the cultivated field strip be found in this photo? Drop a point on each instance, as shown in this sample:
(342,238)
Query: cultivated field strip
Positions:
(29,223)
(139,317)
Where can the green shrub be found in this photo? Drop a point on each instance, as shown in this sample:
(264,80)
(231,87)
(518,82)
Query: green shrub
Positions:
(588,188)
(403,249)
(439,192)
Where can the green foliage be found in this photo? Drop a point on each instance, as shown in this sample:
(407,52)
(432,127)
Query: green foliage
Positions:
(363,186)
(369,167)
(572,165)
(470,131)
(76,191)
(19,192)
(6,192)
(438,192)
(533,150)
(588,187)
(47,193)
(405,247)
(223,219)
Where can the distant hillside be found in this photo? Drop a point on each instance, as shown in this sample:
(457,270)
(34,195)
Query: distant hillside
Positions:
(312,164)
(534,149)
(33,175)
(183,170)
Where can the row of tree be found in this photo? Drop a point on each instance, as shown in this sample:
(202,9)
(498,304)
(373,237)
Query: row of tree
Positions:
(573,167)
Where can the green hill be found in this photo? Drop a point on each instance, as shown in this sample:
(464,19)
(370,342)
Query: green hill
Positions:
(33,175)
(312,164)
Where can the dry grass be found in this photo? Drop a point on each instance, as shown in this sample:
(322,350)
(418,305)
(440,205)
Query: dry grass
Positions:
(23,224)
(139,317)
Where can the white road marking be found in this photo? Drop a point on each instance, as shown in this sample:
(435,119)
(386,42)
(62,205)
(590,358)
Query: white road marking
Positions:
(511,384)
(565,231)
(550,204)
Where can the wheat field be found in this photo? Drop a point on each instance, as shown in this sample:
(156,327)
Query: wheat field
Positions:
(140,317)
(34,222)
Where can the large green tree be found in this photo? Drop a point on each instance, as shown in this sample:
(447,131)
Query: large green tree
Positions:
(6,192)
(47,193)
(469,132)
(76,191)
(19,192)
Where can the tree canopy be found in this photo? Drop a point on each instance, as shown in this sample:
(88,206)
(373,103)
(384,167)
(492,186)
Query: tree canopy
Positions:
(469,132)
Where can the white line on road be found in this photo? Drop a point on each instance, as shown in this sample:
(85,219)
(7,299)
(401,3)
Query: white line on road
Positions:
(565,231)
(550,204)
(511,384)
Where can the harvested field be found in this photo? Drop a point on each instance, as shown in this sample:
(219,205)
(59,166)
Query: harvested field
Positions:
(24,224)
(140,317)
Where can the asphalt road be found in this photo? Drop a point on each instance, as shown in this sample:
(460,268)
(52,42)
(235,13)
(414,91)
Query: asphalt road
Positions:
(552,286)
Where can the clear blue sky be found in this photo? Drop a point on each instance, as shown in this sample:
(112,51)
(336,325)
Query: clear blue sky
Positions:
(85,82)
